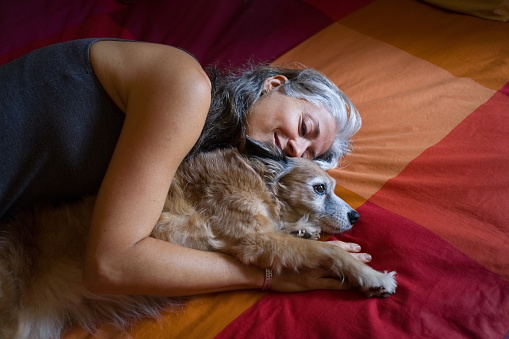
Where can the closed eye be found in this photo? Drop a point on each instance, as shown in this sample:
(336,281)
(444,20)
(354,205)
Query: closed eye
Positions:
(303,128)
(309,154)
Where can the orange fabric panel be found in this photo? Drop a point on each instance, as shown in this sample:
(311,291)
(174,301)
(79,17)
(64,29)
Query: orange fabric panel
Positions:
(465,46)
(351,198)
(202,317)
(403,112)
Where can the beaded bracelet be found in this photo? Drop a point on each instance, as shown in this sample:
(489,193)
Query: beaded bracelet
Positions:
(268,280)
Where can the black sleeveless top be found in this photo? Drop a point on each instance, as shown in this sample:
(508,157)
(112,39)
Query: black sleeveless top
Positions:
(58,126)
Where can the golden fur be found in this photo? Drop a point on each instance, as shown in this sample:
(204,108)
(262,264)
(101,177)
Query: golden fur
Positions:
(246,206)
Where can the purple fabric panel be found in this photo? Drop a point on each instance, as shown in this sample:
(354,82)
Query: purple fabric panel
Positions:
(338,9)
(25,21)
(229,32)
(225,32)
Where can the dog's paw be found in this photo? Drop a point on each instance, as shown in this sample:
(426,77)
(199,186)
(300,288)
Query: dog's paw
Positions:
(312,235)
(381,287)
(306,234)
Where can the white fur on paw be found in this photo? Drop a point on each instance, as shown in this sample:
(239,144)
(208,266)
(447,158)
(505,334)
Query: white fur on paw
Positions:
(384,287)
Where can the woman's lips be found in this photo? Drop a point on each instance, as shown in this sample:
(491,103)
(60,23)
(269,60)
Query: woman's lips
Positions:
(276,141)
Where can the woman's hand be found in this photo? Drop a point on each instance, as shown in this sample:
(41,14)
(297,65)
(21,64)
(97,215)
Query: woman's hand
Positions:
(306,280)
(316,279)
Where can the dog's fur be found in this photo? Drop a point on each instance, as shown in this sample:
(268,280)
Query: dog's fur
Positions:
(246,206)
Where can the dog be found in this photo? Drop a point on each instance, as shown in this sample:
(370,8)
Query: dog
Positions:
(261,207)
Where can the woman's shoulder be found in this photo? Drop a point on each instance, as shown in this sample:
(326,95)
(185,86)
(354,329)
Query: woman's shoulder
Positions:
(124,67)
(143,55)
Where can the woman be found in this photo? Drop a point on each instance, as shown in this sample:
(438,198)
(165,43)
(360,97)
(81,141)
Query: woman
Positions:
(118,117)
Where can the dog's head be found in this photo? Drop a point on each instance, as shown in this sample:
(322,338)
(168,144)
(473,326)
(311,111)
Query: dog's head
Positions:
(303,189)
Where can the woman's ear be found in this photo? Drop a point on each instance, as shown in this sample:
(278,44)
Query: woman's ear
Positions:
(270,83)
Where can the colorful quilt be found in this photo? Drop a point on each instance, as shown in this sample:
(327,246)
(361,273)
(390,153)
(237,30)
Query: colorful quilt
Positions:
(429,173)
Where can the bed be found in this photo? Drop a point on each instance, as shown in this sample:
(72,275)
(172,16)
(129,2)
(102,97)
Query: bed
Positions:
(429,171)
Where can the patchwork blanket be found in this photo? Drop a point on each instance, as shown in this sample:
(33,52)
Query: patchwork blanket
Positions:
(429,172)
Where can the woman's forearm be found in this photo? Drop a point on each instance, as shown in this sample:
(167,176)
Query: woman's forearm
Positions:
(155,267)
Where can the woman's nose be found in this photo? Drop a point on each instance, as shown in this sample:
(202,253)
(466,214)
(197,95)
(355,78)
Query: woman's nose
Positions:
(295,148)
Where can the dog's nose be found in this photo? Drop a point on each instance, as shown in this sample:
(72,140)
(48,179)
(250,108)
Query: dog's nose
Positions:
(353,216)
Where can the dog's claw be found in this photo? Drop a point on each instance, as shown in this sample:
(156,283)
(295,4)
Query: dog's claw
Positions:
(378,292)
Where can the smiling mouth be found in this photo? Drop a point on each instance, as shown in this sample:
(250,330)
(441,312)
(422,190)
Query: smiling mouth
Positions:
(276,141)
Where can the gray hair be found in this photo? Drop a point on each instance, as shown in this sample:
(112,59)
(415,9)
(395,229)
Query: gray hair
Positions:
(233,95)
(316,88)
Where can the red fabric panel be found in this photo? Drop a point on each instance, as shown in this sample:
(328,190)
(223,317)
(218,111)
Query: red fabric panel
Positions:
(459,188)
(505,90)
(424,262)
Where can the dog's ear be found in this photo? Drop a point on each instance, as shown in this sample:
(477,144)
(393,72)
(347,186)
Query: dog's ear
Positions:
(264,150)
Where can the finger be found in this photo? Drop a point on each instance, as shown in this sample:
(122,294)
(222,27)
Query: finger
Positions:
(347,246)
(353,248)
(362,257)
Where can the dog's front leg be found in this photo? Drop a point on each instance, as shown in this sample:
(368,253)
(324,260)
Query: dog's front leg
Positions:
(280,251)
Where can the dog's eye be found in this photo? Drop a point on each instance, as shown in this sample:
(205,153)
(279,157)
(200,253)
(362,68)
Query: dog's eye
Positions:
(320,188)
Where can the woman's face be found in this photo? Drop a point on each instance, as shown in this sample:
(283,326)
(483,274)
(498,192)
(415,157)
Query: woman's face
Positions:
(298,127)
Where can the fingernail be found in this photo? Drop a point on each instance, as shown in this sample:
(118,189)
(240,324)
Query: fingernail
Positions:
(367,257)
(356,248)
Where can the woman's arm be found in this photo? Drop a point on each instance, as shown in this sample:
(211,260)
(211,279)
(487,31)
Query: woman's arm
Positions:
(165,95)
